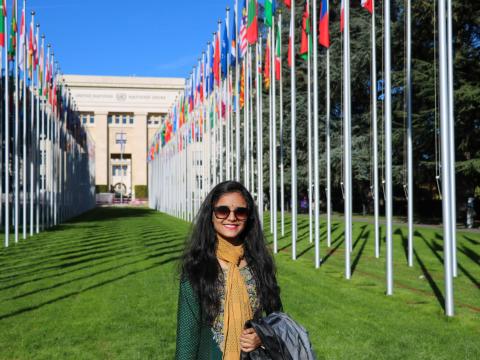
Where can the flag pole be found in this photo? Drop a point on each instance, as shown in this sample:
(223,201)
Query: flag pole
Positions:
(311,184)
(32,132)
(7,138)
(237,97)
(451,133)
(328,145)
(445,148)
(315,138)
(37,147)
(274,138)
(293,134)
(388,150)
(24,128)
(282,164)
(270,125)
(259,132)
(409,134)
(375,137)
(347,135)
(227,102)
(17,115)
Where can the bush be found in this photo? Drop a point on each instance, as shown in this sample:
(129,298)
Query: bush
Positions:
(141,191)
(101,188)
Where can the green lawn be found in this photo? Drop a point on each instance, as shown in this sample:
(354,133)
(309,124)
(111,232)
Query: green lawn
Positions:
(105,287)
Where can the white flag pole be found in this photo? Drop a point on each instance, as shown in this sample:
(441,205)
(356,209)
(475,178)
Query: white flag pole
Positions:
(281,135)
(293,134)
(315,138)
(24,127)
(376,195)
(409,134)
(274,139)
(388,151)
(311,185)
(7,140)
(347,137)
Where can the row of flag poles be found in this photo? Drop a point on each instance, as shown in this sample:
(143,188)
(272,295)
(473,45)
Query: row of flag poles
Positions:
(215,129)
(46,160)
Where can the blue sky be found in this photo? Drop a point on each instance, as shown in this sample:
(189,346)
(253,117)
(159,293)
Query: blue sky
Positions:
(125,38)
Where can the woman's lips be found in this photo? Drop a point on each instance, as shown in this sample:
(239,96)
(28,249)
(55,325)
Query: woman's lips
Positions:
(231,226)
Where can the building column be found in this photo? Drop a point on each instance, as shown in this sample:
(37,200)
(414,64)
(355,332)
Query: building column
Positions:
(100,137)
(139,151)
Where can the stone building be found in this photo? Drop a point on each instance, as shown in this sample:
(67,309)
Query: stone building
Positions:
(122,114)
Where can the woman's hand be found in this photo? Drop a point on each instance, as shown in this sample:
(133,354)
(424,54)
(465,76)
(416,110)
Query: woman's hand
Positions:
(249,340)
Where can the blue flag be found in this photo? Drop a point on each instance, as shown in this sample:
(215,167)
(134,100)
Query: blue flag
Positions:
(224,51)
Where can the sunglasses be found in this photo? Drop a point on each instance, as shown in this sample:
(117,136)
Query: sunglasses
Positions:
(223,212)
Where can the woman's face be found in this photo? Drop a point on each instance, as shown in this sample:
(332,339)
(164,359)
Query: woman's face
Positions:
(230,227)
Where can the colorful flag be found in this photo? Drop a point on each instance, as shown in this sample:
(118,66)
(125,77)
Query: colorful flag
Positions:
(242,87)
(288,3)
(41,69)
(12,47)
(342,19)
(266,68)
(31,47)
(278,54)
(368,4)
(269,12)
(21,54)
(225,51)
(3,15)
(233,42)
(323,30)
(216,59)
(35,49)
(304,44)
(252,22)
(243,34)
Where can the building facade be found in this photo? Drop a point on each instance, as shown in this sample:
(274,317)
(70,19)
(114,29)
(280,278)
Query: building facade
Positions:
(121,115)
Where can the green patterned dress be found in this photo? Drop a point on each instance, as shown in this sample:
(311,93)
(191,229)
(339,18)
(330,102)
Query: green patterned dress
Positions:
(199,341)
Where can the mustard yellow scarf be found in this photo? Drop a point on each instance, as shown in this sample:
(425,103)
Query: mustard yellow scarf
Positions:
(237,305)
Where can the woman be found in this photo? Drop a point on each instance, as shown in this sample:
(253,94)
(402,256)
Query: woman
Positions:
(227,278)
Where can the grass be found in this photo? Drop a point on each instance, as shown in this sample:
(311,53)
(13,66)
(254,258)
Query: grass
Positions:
(104,287)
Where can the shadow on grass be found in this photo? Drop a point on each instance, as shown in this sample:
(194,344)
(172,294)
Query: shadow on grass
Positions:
(74,293)
(365,236)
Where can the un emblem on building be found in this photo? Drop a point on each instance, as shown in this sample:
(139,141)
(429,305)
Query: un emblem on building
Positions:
(122,97)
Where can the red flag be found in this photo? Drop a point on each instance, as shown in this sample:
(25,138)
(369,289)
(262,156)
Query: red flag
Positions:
(342,20)
(368,4)
(252,22)
(323,30)
(216,60)
(288,3)
(290,46)
(266,68)
(305,32)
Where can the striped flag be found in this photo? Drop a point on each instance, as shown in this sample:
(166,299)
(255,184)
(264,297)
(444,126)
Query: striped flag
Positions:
(266,68)
(243,35)
(368,4)
(278,54)
(3,15)
(323,30)
(252,22)
(31,49)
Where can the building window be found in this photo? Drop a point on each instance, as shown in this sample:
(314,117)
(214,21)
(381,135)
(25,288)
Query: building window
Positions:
(119,170)
(132,119)
(92,119)
(124,119)
(84,119)
(117,119)
(121,138)
(110,119)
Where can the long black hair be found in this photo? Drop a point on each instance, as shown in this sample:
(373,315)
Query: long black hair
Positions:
(200,266)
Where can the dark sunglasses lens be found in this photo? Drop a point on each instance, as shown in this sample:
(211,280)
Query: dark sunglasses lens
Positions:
(222,212)
(241,213)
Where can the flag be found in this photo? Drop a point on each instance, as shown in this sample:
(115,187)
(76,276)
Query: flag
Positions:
(31,46)
(41,68)
(342,19)
(21,55)
(288,3)
(290,45)
(278,54)
(323,31)
(12,47)
(35,50)
(368,4)
(3,15)
(252,22)
(269,12)
(216,59)
(225,50)
(242,87)
(233,42)
(304,44)
(243,34)
(266,68)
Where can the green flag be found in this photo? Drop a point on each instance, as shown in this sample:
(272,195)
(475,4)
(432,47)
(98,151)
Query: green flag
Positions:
(269,11)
